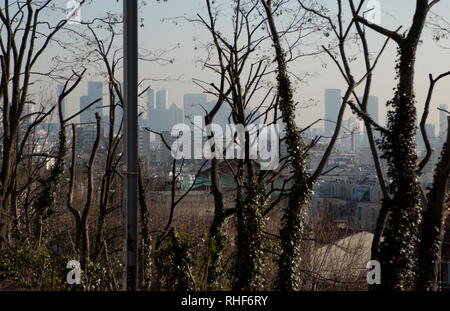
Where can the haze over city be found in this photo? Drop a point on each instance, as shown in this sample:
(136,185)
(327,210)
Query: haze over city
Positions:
(164,29)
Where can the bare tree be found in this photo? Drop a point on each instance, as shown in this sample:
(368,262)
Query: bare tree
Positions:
(292,230)
(430,247)
(397,251)
(24,39)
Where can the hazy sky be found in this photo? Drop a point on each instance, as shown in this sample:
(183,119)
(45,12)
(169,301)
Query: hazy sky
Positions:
(157,34)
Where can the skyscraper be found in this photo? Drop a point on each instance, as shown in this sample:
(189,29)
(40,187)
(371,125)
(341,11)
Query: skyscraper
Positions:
(150,104)
(431,134)
(373,108)
(443,121)
(87,132)
(85,117)
(352,130)
(162,98)
(193,106)
(222,116)
(119,121)
(150,99)
(431,130)
(174,115)
(95,91)
(162,117)
(333,100)
(65,110)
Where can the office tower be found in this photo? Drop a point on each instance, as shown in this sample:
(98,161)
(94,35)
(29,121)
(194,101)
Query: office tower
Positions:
(150,99)
(161,117)
(443,121)
(160,121)
(144,143)
(193,104)
(155,115)
(118,113)
(352,132)
(95,91)
(333,100)
(150,106)
(431,134)
(166,153)
(194,113)
(118,119)
(65,108)
(374,113)
(431,130)
(162,97)
(222,117)
(174,115)
(87,132)
(373,108)
(85,116)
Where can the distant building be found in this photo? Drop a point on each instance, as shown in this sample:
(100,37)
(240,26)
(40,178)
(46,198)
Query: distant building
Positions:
(95,91)
(431,134)
(357,203)
(150,102)
(194,113)
(222,117)
(65,108)
(373,108)
(87,131)
(166,153)
(431,130)
(443,122)
(86,135)
(351,133)
(144,144)
(333,100)
(161,117)
(174,115)
(162,98)
(194,105)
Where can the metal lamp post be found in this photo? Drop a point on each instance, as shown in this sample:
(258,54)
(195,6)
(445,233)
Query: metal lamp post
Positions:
(130,15)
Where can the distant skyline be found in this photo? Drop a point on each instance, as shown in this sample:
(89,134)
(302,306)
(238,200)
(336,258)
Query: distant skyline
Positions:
(156,34)
(159,116)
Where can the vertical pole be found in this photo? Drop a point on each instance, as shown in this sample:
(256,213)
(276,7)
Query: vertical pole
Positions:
(131,136)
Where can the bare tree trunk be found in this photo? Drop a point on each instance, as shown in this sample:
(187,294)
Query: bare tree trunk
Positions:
(146,247)
(108,176)
(20,52)
(433,227)
(85,249)
(76,214)
(401,236)
(397,251)
(217,238)
(294,213)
